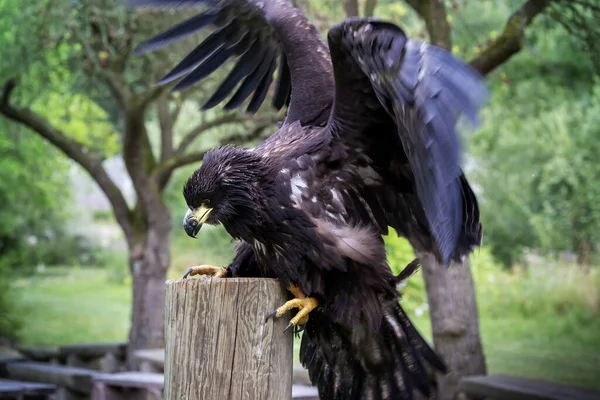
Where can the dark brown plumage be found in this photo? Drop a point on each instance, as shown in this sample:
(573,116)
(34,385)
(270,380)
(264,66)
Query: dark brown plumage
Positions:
(368,143)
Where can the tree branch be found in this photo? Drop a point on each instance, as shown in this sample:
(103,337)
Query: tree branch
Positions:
(115,83)
(512,39)
(139,160)
(434,14)
(415,4)
(73,149)
(166,122)
(197,131)
(164,171)
(153,94)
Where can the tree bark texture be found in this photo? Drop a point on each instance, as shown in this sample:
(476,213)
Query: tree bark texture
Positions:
(148,261)
(351,8)
(369,8)
(219,345)
(512,39)
(434,14)
(454,321)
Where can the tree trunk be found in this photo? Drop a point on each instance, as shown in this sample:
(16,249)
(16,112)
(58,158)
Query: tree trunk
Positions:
(454,321)
(351,8)
(450,292)
(583,254)
(369,9)
(149,261)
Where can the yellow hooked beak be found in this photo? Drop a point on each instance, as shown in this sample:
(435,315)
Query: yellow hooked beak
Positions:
(193,220)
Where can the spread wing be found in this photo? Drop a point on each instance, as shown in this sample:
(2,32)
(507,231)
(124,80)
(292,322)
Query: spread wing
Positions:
(262,36)
(397,101)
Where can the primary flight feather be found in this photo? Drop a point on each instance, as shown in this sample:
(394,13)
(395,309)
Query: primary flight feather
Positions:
(368,142)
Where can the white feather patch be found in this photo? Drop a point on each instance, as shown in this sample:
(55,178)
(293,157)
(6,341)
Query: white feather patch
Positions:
(297,186)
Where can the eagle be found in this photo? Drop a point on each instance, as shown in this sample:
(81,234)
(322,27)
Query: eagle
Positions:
(369,142)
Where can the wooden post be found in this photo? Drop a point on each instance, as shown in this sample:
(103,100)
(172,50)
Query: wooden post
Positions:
(218,345)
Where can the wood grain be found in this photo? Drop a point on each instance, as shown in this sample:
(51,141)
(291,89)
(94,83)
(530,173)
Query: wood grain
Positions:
(218,345)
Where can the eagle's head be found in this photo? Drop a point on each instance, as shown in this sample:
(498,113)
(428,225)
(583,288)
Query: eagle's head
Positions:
(222,190)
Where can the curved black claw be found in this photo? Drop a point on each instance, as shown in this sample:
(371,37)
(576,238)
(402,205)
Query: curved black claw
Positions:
(288,327)
(269,315)
(188,272)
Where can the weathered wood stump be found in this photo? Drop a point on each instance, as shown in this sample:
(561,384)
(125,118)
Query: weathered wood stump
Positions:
(218,345)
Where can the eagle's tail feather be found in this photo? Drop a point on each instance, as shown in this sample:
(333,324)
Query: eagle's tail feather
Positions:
(353,363)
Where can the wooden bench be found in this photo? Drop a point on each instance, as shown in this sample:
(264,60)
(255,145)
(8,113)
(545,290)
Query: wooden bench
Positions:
(18,390)
(73,383)
(104,357)
(41,354)
(88,351)
(304,392)
(128,385)
(150,386)
(6,359)
(150,360)
(500,387)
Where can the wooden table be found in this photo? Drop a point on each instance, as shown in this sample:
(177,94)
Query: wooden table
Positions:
(500,387)
(75,383)
(128,386)
(150,360)
(18,390)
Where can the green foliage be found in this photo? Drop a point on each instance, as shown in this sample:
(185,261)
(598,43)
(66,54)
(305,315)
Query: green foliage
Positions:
(400,253)
(83,119)
(542,290)
(538,169)
(72,306)
(213,246)
(33,191)
(534,156)
(545,289)
(34,184)
(534,323)
(10,320)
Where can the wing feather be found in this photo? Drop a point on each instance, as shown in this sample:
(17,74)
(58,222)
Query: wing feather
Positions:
(274,29)
(251,82)
(261,91)
(422,90)
(178,32)
(213,42)
(248,62)
(283,86)
(212,62)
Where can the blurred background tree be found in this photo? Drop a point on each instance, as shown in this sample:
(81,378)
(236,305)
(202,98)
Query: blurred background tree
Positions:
(86,96)
(533,164)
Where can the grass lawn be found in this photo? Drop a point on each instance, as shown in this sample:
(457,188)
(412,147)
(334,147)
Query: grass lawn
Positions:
(84,305)
(72,306)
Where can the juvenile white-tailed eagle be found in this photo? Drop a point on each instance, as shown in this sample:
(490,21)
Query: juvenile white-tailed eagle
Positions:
(368,142)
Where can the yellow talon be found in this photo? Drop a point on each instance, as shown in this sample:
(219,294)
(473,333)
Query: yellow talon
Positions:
(215,272)
(303,303)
